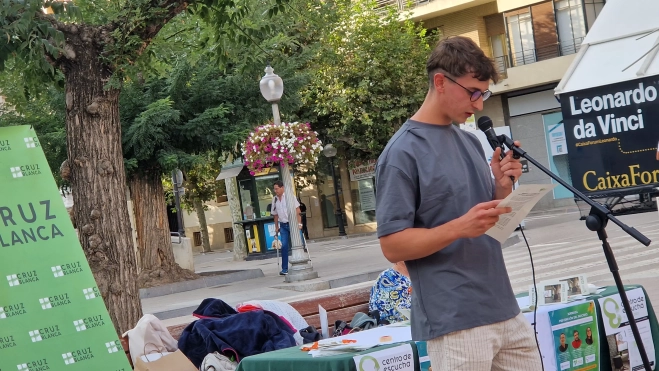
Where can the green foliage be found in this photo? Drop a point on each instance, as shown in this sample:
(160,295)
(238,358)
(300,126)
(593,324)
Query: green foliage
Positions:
(368,78)
(200,181)
(28,34)
(45,112)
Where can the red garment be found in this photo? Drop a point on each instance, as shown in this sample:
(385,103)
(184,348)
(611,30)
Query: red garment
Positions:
(576,344)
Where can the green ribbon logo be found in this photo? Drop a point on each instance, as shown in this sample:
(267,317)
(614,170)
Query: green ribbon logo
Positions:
(614,316)
(364,358)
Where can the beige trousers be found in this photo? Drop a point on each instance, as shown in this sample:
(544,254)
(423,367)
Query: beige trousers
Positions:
(505,346)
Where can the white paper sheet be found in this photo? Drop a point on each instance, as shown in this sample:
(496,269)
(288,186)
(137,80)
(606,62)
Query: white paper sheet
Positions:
(324,327)
(521,201)
(362,340)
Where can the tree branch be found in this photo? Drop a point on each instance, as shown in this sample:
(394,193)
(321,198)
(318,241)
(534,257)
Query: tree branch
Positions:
(152,26)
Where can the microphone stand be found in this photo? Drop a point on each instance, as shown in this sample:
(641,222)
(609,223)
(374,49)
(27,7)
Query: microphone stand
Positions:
(596,221)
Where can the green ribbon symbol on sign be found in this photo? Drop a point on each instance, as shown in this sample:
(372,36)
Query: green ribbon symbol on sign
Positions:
(364,358)
(613,316)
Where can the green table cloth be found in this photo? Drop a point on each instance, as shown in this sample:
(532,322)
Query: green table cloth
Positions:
(294,359)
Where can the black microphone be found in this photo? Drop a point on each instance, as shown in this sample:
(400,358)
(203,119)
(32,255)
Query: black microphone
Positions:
(485,125)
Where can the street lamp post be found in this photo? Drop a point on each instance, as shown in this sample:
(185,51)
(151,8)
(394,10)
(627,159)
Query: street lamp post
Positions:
(330,152)
(272,88)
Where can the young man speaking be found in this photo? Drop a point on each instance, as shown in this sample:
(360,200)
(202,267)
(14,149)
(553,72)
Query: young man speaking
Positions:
(435,200)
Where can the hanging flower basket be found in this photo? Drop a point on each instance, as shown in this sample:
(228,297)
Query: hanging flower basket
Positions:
(287,143)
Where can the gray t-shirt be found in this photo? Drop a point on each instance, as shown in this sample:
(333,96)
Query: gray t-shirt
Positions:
(426,176)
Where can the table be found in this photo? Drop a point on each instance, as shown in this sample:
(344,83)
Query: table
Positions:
(546,337)
(295,359)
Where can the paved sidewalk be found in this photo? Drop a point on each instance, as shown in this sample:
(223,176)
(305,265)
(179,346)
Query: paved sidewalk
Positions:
(334,260)
(560,242)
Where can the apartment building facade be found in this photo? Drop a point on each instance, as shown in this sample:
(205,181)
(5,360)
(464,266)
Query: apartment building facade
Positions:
(532,43)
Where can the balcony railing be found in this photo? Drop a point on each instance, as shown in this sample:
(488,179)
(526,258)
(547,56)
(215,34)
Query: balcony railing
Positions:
(501,64)
(400,4)
(545,52)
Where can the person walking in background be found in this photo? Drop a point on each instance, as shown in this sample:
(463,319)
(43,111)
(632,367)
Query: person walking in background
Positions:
(280,212)
(303,210)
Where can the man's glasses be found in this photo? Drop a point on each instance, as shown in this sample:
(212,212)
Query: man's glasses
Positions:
(475,94)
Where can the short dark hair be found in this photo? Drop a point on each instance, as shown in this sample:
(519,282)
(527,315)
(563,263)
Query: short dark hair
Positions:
(459,56)
(279,184)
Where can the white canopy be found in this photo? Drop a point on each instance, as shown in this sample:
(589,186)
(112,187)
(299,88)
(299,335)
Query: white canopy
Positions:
(229,171)
(622,45)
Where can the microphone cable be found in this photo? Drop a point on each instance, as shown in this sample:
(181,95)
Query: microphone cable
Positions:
(535,289)
(535,305)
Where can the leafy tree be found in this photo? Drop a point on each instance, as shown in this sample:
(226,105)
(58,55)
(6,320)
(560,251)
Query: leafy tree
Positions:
(94,44)
(368,77)
(201,187)
(43,111)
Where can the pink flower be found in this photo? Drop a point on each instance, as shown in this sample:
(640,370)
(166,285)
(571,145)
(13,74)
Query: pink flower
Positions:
(252,173)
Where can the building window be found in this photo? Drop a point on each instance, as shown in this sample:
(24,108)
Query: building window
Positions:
(363,201)
(593,9)
(328,198)
(499,54)
(520,33)
(571,25)
(197,238)
(228,235)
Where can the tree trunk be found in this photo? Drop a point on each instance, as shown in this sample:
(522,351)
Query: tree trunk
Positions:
(203,227)
(96,164)
(154,244)
(239,243)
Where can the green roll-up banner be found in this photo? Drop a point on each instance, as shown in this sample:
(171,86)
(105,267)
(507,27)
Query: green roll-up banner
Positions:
(52,316)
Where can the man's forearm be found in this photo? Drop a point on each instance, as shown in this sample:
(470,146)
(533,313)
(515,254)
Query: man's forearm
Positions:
(418,242)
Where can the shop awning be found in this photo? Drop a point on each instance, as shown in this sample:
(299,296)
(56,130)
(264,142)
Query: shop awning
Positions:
(230,171)
(622,45)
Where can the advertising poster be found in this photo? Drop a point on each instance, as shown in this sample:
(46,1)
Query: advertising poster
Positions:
(366,195)
(557,139)
(576,342)
(269,229)
(619,333)
(612,133)
(52,315)
(360,170)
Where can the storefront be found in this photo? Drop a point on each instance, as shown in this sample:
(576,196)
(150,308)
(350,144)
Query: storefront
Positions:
(356,197)
(251,208)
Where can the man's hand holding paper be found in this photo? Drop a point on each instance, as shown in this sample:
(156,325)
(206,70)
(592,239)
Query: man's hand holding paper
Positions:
(518,205)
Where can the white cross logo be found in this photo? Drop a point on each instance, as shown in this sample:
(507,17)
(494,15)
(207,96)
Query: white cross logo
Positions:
(45,303)
(35,336)
(112,347)
(16,172)
(80,325)
(57,271)
(13,280)
(89,293)
(29,142)
(68,358)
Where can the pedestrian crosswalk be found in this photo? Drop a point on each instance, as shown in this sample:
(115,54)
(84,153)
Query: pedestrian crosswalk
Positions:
(583,255)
